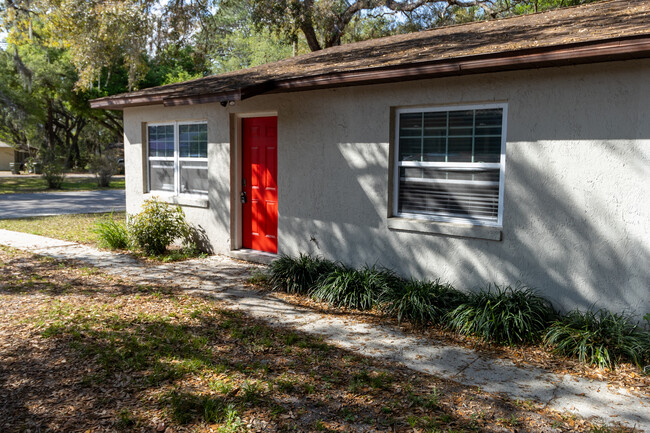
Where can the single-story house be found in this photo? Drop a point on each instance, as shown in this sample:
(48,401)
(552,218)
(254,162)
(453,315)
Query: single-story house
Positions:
(509,151)
(6,156)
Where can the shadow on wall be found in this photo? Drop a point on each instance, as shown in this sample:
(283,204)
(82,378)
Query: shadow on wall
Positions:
(572,242)
(220,197)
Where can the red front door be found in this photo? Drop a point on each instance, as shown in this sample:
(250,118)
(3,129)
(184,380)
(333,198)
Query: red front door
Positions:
(259,183)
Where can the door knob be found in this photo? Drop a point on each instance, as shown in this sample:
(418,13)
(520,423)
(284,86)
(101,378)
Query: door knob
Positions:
(242,197)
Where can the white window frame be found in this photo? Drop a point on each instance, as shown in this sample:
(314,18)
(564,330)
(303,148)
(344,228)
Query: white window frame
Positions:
(176,158)
(469,166)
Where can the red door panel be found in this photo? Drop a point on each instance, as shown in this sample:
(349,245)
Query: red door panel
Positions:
(259,182)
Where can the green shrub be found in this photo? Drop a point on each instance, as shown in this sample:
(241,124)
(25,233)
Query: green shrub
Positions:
(104,167)
(421,302)
(157,226)
(352,288)
(503,315)
(298,275)
(601,338)
(53,175)
(112,234)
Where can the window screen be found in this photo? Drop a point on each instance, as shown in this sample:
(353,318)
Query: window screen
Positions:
(161,141)
(193,140)
(450,163)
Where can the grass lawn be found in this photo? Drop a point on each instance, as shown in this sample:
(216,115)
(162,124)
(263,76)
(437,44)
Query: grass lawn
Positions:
(73,228)
(80,228)
(85,351)
(18,184)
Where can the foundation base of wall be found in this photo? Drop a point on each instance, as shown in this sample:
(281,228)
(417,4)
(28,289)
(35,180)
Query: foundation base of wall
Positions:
(253,256)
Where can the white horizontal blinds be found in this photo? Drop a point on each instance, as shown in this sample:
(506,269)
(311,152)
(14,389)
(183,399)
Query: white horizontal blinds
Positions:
(161,157)
(449,163)
(193,158)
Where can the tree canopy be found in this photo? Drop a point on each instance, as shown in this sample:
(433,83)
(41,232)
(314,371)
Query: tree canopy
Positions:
(58,54)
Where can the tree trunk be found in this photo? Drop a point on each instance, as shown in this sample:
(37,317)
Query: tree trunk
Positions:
(310,35)
(50,134)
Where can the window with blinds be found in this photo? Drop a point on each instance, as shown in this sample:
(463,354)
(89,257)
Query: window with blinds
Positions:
(450,163)
(178,157)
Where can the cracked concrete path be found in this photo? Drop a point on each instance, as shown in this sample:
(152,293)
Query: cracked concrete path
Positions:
(221,277)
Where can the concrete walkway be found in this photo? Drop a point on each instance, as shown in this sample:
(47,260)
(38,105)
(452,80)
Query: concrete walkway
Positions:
(57,203)
(221,277)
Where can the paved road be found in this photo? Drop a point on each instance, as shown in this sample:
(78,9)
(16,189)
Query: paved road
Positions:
(57,203)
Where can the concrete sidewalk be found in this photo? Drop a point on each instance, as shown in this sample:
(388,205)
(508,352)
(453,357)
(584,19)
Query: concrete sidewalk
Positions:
(222,278)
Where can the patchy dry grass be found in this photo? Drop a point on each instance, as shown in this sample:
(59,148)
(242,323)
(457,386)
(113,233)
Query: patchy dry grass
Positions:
(80,228)
(18,184)
(83,351)
(73,228)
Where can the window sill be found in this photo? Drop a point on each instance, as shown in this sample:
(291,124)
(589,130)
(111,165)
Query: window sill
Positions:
(181,200)
(444,228)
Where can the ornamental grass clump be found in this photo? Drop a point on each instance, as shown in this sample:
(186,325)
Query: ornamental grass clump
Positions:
(112,234)
(599,338)
(503,315)
(299,274)
(351,288)
(421,302)
(157,226)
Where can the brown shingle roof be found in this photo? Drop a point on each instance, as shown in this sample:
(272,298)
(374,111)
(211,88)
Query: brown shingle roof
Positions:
(609,30)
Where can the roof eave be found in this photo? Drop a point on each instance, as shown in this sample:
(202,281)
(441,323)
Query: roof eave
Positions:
(626,48)
(595,52)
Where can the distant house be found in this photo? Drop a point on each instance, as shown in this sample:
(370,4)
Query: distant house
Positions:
(6,156)
(513,150)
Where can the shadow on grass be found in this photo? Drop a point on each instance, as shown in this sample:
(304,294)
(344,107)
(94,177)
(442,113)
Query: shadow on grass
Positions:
(207,367)
(107,356)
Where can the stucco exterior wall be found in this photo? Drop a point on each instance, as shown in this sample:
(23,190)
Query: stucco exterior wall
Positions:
(576,220)
(6,156)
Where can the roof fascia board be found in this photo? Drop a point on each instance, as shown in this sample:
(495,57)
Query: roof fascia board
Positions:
(127,101)
(203,99)
(536,58)
(238,95)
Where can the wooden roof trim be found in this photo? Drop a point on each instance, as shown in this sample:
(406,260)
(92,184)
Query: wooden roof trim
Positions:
(109,103)
(584,52)
(239,95)
(592,52)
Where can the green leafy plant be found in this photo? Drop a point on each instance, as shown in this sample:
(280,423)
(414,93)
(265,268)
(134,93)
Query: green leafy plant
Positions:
(53,175)
(601,338)
(187,407)
(352,288)
(503,315)
(157,226)
(187,251)
(259,278)
(421,302)
(111,234)
(300,274)
(104,167)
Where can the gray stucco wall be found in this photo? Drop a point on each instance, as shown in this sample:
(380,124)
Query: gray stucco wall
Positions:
(576,214)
